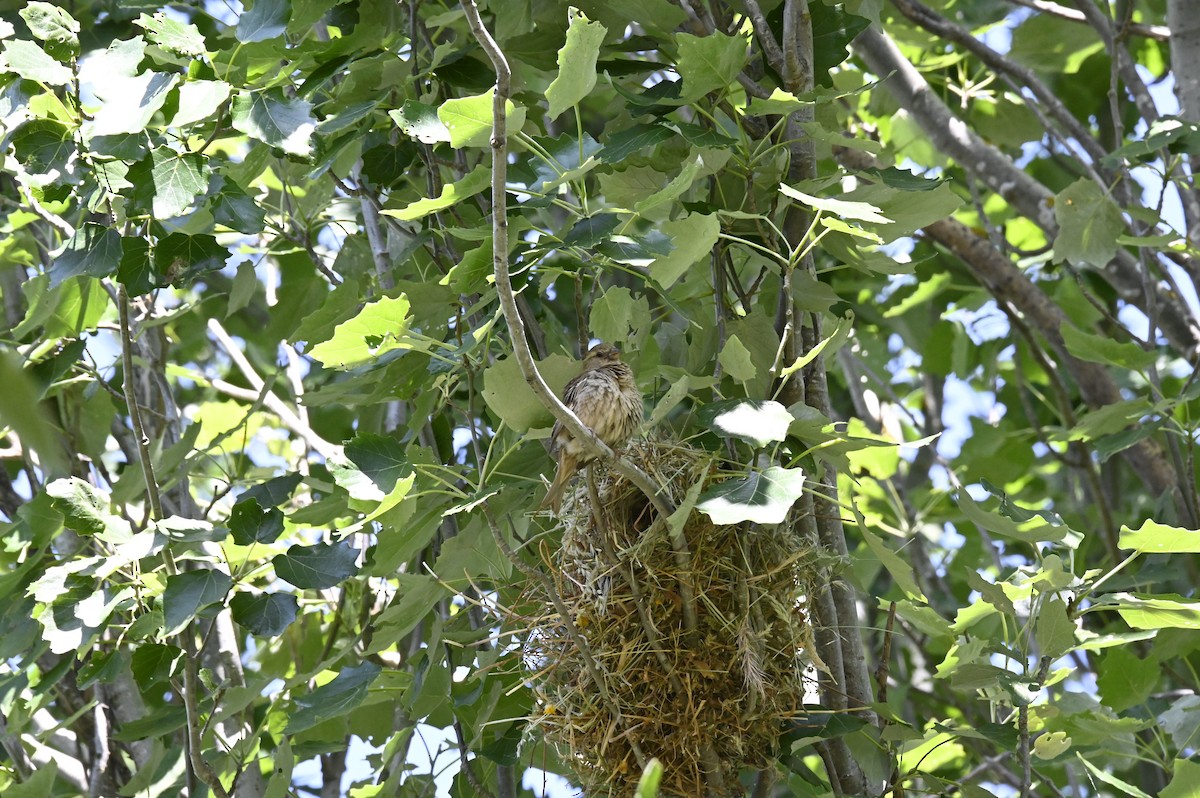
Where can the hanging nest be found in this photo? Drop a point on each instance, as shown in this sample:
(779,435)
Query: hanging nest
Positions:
(695,653)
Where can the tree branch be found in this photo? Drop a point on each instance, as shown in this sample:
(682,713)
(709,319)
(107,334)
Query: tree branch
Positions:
(1156,32)
(504,289)
(952,136)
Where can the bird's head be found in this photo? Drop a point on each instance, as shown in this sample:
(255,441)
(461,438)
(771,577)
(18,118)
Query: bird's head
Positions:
(601,355)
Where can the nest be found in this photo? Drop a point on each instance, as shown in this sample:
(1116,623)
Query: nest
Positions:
(692,654)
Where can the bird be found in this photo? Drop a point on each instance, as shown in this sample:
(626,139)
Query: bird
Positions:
(606,399)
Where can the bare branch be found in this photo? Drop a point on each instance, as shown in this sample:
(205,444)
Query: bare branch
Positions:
(288,416)
(1157,32)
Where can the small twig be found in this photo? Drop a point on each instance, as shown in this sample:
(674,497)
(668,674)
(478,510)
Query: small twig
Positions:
(1157,32)
(288,416)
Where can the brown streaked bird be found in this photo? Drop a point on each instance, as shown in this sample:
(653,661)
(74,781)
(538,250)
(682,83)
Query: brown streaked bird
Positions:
(607,400)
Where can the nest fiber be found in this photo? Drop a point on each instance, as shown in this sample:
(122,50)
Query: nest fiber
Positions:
(688,645)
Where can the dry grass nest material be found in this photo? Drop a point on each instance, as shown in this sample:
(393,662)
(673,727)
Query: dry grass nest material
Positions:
(706,695)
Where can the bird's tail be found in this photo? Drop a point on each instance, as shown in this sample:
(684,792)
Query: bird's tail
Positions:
(554,495)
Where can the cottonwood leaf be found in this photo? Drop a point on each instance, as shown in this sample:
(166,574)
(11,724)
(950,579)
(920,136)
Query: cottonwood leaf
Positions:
(168,183)
(511,399)
(266,19)
(190,592)
(1089,224)
(266,614)
(31,62)
(378,328)
(692,238)
(709,63)
(469,119)
(1158,611)
(130,103)
(576,63)
(471,184)
(762,497)
(421,122)
(843,209)
(332,700)
(94,250)
(758,421)
(250,523)
(1098,349)
(319,566)
(272,118)
(172,34)
(1155,538)
(54,26)
(45,148)
(200,99)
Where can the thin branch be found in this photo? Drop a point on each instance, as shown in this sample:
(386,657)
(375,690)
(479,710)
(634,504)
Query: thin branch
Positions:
(288,416)
(1157,32)
(508,302)
(135,413)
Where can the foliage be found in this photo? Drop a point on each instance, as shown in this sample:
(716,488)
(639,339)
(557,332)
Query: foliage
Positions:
(270,452)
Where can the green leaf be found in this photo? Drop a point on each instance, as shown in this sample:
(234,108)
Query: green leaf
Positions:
(381,459)
(1125,680)
(620,146)
(511,399)
(617,315)
(708,63)
(590,231)
(154,662)
(1158,611)
(332,700)
(130,103)
(1155,538)
(896,566)
(85,509)
(265,614)
(168,183)
(469,119)
(679,184)
(762,497)
(179,258)
(53,25)
(272,118)
(759,421)
(250,523)
(652,774)
(318,566)
(94,250)
(576,63)
(31,62)
(1089,224)
(1185,783)
(843,209)
(421,122)
(1123,787)
(266,19)
(417,595)
(39,784)
(692,238)
(380,327)
(471,184)
(273,492)
(136,270)
(171,34)
(735,359)
(199,100)
(1034,530)
(45,148)
(1098,349)
(1053,629)
(190,592)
